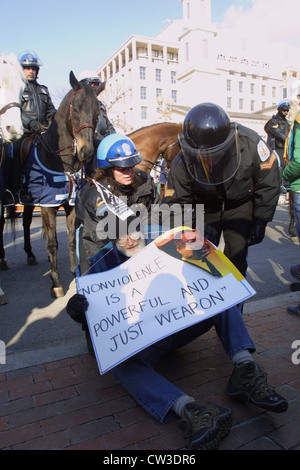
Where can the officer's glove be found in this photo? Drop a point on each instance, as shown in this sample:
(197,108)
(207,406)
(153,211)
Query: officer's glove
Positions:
(35,126)
(76,308)
(257,233)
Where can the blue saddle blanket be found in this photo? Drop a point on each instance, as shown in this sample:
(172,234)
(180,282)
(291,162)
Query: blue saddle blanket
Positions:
(48,188)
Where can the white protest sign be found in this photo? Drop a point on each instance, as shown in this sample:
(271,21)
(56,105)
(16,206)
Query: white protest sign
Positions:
(153,295)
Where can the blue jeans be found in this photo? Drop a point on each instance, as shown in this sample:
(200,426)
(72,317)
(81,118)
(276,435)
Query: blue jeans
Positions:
(297,212)
(155,393)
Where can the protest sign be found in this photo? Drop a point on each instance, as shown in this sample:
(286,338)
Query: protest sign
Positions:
(155,294)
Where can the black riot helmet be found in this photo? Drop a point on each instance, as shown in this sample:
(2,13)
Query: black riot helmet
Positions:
(209,143)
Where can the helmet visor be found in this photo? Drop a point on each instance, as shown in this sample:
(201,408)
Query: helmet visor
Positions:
(124,162)
(215,165)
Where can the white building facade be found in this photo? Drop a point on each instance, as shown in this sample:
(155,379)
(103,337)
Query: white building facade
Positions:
(157,79)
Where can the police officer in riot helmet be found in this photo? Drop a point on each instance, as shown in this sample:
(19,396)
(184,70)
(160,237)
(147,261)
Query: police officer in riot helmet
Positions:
(231,171)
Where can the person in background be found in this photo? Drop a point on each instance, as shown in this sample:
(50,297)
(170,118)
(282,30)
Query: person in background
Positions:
(277,129)
(37,114)
(291,174)
(104,126)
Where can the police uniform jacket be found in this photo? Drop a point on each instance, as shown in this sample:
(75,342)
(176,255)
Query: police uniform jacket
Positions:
(88,219)
(36,105)
(104,126)
(257,179)
(277,129)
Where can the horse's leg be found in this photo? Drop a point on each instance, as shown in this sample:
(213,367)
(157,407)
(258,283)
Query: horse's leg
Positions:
(49,223)
(70,220)
(3,262)
(27,219)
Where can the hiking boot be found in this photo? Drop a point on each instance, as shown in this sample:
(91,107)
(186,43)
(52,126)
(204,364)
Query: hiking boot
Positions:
(248,382)
(205,425)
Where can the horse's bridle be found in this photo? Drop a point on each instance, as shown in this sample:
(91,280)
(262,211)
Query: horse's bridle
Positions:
(75,132)
(160,156)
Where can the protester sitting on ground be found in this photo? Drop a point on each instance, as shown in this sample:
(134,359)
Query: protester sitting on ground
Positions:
(159,397)
(204,424)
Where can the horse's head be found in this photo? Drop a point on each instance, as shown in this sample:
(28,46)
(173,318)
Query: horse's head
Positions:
(77,118)
(12,84)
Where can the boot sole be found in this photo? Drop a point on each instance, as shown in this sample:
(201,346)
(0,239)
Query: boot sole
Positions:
(213,437)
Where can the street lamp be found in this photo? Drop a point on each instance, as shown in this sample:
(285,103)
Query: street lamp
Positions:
(165,112)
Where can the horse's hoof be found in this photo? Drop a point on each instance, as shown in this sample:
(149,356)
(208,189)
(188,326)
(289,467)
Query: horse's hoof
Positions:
(32,261)
(3,264)
(57,292)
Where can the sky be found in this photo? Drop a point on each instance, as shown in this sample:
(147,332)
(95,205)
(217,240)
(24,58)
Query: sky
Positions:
(80,35)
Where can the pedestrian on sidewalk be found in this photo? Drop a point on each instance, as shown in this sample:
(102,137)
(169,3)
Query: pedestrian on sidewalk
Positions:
(292,175)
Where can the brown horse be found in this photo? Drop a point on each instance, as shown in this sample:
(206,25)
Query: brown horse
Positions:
(157,140)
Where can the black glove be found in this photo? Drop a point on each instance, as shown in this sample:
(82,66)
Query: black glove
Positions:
(35,126)
(76,307)
(257,233)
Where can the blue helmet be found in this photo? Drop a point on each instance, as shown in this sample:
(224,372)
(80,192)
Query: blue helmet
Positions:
(30,59)
(284,105)
(117,150)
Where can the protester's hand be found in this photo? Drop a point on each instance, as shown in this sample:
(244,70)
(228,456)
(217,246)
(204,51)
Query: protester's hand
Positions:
(257,233)
(35,126)
(76,308)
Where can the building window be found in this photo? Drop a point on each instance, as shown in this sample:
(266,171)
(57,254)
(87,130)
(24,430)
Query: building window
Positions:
(173,76)
(228,85)
(143,93)
(241,87)
(263,105)
(252,105)
(143,73)
(158,92)
(158,75)
(174,96)
(273,92)
(252,88)
(241,103)
(143,112)
(229,102)
(263,90)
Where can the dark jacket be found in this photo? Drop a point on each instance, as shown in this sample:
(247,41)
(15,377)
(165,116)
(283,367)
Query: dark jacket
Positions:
(89,218)
(36,106)
(277,129)
(257,179)
(104,126)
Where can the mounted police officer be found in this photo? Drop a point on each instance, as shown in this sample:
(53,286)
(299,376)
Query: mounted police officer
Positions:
(37,114)
(231,170)
(104,126)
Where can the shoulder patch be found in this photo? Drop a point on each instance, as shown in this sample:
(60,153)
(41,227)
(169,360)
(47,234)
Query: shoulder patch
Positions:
(263,151)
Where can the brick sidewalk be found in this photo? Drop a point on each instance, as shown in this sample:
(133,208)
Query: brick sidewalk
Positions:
(68,405)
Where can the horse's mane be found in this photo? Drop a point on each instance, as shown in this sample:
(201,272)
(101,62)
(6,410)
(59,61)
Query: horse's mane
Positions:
(144,129)
(15,71)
